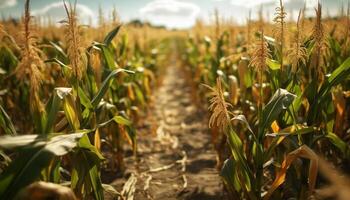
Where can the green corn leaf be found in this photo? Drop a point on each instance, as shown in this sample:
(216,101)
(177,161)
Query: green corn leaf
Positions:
(122,120)
(6,122)
(85,143)
(236,146)
(105,85)
(23,171)
(139,95)
(117,119)
(65,94)
(54,172)
(243,119)
(15,142)
(123,45)
(66,70)
(35,154)
(110,36)
(280,101)
(284,134)
(339,143)
(109,59)
(85,173)
(131,134)
(107,55)
(85,101)
(8,60)
(96,183)
(57,145)
(55,60)
(296,105)
(273,64)
(229,174)
(53,106)
(59,50)
(336,77)
(342,72)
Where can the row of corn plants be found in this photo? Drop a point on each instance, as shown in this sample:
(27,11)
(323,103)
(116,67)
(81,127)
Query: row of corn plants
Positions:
(65,101)
(279,99)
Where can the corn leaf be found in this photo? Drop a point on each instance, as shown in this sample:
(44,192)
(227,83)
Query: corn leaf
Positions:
(273,64)
(336,77)
(105,85)
(110,36)
(86,162)
(304,152)
(69,107)
(229,174)
(236,146)
(53,107)
(243,119)
(280,136)
(122,120)
(280,101)
(6,122)
(340,144)
(8,60)
(108,56)
(35,154)
(139,94)
(59,50)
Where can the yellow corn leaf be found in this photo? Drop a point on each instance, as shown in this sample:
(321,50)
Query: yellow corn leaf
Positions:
(340,105)
(131,92)
(149,74)
(234,92)
(290,129)
(256,96)
(97,140)
(304,152)
(70,112)
(274,126)
(242,70)
(147,87)
(125,134)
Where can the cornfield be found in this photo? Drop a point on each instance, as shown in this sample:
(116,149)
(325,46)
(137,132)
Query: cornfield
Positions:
(135,111)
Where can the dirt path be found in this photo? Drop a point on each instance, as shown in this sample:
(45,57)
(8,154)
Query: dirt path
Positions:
(176,162)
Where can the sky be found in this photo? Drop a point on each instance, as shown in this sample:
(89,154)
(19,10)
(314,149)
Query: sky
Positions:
(170,13)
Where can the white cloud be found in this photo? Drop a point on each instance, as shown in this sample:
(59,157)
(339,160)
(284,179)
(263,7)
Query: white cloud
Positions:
(171,13)
(251,3)
(290,6)
(57,12)
(255,3)
(7,3)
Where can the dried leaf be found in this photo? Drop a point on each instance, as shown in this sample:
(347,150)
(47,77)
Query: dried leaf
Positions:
(304,152)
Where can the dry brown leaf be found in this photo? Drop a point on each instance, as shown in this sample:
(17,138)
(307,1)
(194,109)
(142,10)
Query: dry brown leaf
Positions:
(304,152)
(340,106)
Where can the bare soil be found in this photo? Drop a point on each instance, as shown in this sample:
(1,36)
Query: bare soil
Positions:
(175,158)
